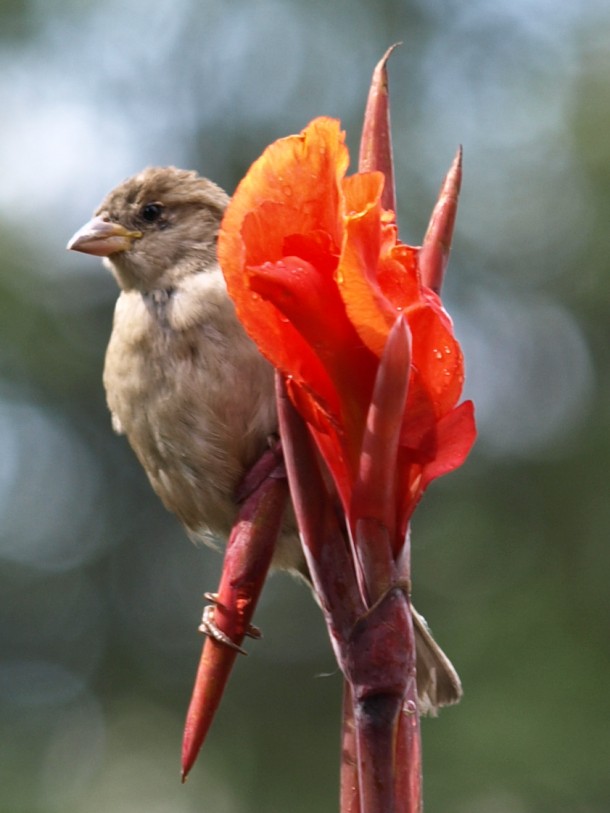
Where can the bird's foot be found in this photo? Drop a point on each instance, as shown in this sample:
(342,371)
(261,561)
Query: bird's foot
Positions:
(209,627)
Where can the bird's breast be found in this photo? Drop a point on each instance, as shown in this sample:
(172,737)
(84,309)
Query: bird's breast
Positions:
(196,401)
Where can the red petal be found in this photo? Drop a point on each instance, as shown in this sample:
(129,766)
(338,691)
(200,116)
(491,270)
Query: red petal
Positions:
(455,437)
(438,364)
(311,303)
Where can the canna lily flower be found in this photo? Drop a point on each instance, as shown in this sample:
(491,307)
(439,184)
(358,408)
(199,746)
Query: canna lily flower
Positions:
(369,380)
(319,279)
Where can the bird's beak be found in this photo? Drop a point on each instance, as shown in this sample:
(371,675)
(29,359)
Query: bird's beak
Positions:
(102,237)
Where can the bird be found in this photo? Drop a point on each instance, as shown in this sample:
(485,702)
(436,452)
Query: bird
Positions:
(185,383)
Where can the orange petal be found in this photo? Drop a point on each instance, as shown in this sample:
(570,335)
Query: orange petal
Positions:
(292,189)
(299,176)
(398,275)
(368,309)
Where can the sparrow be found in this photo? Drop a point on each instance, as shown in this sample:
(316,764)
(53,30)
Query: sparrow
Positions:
(184,382)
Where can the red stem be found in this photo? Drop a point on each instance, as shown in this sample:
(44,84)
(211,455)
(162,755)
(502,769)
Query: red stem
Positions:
(350,785)
(408,787)
(325,543)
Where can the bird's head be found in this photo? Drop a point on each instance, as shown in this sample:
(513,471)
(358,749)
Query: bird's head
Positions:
(155,228)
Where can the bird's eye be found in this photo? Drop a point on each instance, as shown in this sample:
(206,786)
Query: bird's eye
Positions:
(151,212)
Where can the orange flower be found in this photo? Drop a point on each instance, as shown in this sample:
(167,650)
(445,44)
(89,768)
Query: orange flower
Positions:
(319,278)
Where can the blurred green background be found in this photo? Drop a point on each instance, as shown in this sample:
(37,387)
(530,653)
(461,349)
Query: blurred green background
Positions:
(101,591)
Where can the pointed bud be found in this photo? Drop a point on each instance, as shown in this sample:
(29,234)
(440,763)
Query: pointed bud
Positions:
(376,141)
(214,669)
(246,563)
(373,509)
(436,246)
(374,490)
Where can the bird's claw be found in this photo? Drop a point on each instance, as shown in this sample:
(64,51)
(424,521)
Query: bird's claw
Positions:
(209,627)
